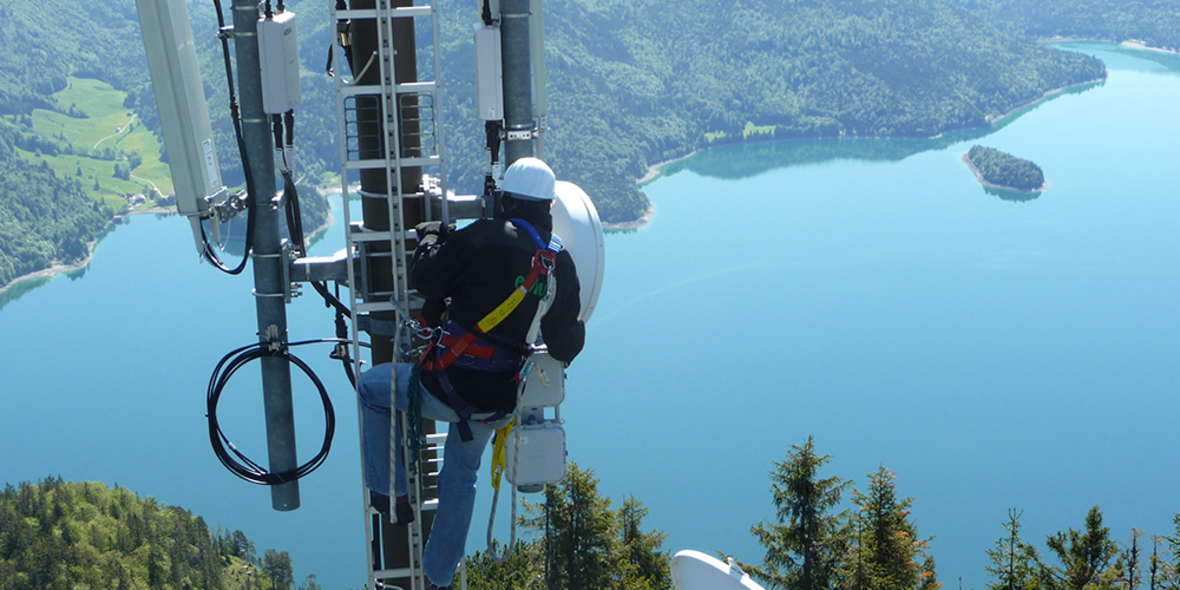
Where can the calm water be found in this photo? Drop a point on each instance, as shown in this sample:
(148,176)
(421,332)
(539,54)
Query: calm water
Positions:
(993,353)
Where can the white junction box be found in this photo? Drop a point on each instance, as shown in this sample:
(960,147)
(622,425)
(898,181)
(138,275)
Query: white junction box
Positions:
(544,386)
(542,454)
(278,52)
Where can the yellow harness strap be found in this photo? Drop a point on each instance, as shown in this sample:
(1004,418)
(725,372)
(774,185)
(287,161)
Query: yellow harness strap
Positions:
(493,319)
(500,453)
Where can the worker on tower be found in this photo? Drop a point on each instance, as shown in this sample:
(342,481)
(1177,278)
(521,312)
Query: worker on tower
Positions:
(470,376)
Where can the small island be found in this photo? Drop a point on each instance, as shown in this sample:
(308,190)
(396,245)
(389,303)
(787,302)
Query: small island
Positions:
(1003,170)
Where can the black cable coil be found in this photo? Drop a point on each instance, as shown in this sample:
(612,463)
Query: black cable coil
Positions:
(247,469)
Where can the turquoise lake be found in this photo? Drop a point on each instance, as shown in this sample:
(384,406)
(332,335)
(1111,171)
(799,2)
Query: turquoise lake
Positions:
(994,353)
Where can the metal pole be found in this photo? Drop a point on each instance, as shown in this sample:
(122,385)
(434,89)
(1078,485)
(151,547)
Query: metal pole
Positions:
(269,290)
(518,79)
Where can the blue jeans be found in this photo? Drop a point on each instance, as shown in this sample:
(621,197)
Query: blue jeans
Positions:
(456,482)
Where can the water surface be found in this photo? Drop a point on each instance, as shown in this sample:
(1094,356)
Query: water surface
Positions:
(993,353)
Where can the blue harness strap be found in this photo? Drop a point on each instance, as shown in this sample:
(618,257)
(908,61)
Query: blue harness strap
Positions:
(554,245)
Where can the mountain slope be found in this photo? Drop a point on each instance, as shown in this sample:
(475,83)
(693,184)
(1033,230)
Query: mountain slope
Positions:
(635,82)
(632,82)
(1154,22)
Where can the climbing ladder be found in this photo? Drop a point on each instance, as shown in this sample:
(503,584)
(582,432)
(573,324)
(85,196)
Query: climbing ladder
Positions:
(409,135)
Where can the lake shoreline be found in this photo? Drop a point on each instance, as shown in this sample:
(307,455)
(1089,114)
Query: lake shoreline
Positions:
(57,269)
(656,170)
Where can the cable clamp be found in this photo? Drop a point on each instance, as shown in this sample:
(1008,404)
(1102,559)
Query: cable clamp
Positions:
(226,32)
(520,135)
(274,339)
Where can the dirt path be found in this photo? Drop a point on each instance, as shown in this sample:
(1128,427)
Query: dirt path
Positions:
(121,131)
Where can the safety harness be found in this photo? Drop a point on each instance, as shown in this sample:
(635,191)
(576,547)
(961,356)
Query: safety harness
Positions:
(487,353)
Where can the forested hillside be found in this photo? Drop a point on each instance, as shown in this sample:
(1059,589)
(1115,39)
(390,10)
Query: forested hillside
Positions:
(66,535)
(43,217)
(79,128)
(632,82)
(1154,22)
(635,82)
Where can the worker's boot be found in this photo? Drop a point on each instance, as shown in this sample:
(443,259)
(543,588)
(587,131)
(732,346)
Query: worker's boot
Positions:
(402,511)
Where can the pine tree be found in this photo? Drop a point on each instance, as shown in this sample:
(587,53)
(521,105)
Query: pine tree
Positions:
(642,562)
(1013,562)
(584,545)
(578,530)
(1090,559)
(803,551)
(1132,557)
(519,568)
(892,556)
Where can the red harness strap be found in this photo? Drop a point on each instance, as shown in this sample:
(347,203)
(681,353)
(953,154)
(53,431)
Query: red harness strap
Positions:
(543,261)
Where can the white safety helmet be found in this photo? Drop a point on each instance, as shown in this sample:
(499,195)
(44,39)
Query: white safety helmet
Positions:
(529,179)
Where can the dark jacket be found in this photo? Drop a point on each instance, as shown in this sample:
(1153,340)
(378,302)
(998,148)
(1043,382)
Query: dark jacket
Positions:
(478,267)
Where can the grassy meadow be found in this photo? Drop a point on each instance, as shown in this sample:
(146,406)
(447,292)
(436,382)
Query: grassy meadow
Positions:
(108,129)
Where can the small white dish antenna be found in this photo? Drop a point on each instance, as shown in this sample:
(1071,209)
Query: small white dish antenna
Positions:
(576,222)
(693,570)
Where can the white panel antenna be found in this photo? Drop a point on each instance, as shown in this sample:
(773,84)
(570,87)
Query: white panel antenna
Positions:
(184,115)
(489,77)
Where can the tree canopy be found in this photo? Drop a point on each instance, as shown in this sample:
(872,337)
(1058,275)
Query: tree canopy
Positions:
(578,543)
(59,535)
(1154,22)
(1005,170)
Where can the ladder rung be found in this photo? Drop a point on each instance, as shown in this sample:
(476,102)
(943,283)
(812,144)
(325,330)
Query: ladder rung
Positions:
(412,11)
(406,163)
(401,572)
(364,164)
(402,12)
(380,236)
(427,161)
(366,89)
(375,306)
(376,90)
(370,236)
(416,87)
(356,14)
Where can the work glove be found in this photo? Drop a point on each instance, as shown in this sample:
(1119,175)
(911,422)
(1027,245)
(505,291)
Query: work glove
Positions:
(433,228)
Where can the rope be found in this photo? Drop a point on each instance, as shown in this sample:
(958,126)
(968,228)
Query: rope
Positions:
(499,460)
(415,437)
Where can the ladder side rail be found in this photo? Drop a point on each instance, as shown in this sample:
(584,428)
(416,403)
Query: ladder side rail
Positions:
(393,165)
(354,283)
(439,141)
(395,210)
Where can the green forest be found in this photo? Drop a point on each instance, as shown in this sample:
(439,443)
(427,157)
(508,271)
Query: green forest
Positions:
(874,544)
(44,217)
(1005,170)
(59,535)
(826,533)
(1153,22)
